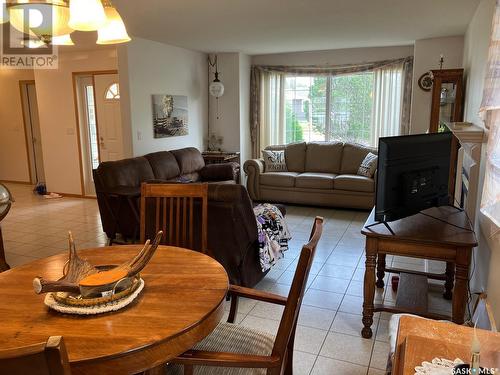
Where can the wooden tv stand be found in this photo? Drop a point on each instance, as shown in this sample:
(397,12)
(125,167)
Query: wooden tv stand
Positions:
(443,234)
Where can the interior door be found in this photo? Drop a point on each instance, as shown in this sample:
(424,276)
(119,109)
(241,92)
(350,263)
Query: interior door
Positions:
(107,100)
(33,133)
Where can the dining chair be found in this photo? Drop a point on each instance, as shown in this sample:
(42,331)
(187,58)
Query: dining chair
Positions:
(179,210)
(236,349)
(46,358)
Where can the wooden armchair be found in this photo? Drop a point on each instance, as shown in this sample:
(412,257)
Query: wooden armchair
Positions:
(47,358)
(231,348)
(175,209)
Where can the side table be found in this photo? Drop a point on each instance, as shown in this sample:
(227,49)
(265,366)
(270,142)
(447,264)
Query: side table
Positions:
(442,234)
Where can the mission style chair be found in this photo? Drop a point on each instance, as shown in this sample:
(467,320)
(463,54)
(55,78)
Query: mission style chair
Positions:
(175,210)
(235,349)
(47,358)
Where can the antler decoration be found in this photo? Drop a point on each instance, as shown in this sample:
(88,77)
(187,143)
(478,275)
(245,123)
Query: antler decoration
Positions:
(82,277)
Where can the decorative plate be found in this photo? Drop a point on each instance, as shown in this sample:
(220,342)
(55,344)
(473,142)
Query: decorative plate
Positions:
(74,304)
(425,81)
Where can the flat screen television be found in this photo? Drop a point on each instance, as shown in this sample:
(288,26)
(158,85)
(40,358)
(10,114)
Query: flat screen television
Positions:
(413,174)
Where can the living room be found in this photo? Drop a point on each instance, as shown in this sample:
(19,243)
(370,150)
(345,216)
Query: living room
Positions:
(272,119)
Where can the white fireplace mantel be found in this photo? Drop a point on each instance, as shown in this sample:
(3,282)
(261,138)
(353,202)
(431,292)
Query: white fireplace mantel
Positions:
(471,138)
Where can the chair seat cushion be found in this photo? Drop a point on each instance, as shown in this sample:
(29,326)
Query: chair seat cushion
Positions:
(315,180)
(282,179)
(232,338)
(353,182)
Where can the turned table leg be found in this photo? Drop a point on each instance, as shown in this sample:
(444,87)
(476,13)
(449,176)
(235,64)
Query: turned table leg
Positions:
(450,279)
(380,270)
(461,283)
(369,286)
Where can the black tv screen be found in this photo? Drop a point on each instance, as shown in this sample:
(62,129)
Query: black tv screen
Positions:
(413,174)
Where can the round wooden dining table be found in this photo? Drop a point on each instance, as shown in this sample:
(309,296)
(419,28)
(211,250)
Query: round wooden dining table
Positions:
(181,303)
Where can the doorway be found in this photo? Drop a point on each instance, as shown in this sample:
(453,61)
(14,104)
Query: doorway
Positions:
(98,101)
(32,131)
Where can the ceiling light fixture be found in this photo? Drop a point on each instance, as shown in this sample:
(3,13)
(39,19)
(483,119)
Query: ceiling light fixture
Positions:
(86,15)
(51,21)
(62,40)
(4,15)
(114,31)
(216,87)
(42,18)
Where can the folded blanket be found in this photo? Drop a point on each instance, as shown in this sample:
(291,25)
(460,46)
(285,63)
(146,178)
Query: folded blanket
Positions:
(273,234)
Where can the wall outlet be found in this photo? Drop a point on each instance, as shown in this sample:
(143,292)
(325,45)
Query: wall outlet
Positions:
(139,135)
(70,131)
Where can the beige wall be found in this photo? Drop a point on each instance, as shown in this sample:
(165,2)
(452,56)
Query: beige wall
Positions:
(245,140)
(487,258)
(148,68)
(13,155)
(227,125)
(427,52)
(57,116)
(334,57)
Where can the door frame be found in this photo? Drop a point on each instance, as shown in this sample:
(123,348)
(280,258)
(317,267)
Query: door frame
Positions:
(77,116)
(29,143)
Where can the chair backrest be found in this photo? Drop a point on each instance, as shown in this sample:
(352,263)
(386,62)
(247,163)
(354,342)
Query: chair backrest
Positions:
(47,358)
(288,324)
(179,210)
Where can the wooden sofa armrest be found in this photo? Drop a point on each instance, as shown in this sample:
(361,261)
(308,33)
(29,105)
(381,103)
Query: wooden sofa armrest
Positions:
(226,359)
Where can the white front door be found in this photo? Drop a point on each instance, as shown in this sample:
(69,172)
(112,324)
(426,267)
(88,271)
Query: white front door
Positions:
(109,125)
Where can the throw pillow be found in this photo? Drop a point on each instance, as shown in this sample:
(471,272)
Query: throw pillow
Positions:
(368,165)
(274,161)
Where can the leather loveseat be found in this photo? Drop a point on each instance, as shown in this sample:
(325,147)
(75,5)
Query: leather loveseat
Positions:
(232,229)
(318,173)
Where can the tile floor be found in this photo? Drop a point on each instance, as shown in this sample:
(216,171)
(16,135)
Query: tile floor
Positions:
(328,337)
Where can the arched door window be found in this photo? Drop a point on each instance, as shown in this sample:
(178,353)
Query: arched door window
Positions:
(113,92)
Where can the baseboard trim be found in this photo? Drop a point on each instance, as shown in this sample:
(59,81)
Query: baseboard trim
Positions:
(17,182)
(69,195)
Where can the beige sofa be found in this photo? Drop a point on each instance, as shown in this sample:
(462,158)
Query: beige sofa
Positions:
(319,173)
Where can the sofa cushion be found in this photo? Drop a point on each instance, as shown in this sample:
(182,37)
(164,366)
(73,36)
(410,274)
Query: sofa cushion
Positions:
(295,157)
(368,165)
(164,165)
(281,179)
(354,182)
(127,172)
(189,160)
(352,157)
(323,157)
(315,180)
(274,161)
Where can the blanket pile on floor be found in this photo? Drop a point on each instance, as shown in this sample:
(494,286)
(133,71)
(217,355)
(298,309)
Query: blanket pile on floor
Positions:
(273,234)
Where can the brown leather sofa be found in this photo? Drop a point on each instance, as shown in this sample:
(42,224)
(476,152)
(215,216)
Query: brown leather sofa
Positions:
(319,173)
(232,230)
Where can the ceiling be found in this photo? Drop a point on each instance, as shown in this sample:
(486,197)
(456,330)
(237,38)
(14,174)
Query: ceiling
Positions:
(273,26)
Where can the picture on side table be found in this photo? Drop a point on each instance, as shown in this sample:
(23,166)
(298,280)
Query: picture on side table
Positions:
(170,115)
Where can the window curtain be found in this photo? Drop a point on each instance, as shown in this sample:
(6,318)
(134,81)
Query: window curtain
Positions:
(273,121)
(263,79)
(490,112)
(391,100)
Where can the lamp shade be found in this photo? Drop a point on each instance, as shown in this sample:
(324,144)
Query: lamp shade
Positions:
(114,31)
(42,19)
(86,15)
(4,16)
(62,40)
(216,89)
